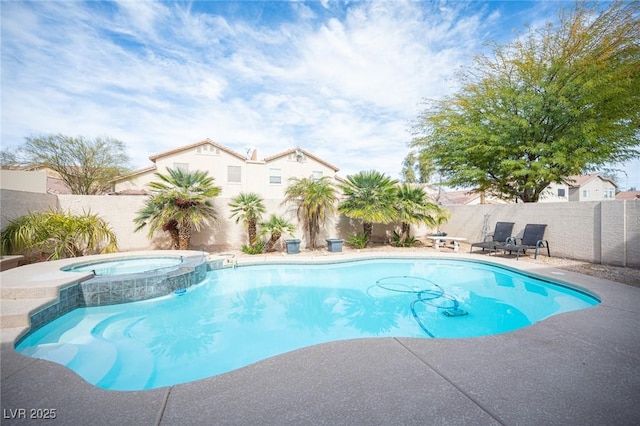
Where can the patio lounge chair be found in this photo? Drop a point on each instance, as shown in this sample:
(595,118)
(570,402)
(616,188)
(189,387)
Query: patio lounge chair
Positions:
(531,239)
(501,233)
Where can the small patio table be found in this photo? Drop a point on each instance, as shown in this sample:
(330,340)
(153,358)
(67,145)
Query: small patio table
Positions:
(437,238)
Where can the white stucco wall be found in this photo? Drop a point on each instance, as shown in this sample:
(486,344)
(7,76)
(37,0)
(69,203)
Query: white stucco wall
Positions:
(600,232)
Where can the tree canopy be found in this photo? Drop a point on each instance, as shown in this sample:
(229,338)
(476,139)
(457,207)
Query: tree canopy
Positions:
(86,166)
(559,100)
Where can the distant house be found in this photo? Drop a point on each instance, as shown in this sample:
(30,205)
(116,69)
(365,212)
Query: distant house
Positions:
(466,197)
(232,171)
(628,195)
(591,187)
(33,179)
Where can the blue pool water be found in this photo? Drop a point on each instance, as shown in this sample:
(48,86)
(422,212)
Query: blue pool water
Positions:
(242,315)
(132,265)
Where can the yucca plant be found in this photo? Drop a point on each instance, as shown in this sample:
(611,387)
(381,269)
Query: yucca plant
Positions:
(55,235)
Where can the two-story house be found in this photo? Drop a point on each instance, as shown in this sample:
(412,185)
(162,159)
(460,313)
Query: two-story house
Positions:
(591,187)
(233,171)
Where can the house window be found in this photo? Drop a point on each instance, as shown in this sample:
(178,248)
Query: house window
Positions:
(234,174)
(184,167)
(561,192)
(316,175)
(275,176)
(585,193)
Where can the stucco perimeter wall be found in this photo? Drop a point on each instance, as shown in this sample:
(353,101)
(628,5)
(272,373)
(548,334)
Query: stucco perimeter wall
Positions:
(601,231)
(14,204)
(605,232)
(120,211)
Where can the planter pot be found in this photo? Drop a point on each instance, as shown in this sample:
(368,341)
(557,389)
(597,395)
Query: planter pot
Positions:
(334,244)
(293,246)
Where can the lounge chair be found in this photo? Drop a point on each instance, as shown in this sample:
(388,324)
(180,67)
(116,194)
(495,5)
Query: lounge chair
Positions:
(532,238)
(501,233)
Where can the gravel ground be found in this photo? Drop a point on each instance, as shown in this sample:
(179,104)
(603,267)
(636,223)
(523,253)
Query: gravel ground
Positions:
(630,276)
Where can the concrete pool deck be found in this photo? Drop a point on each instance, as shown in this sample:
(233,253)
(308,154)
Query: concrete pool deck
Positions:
(580,367)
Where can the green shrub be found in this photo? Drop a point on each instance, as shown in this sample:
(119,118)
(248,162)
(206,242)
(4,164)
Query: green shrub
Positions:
(358,241)
(410,242)
(256,248)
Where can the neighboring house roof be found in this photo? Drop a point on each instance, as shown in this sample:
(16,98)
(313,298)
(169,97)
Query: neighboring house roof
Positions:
(464,197)
(307,153)
(577,181)
(195,145)
(628,195)
(135,173)
(57,186)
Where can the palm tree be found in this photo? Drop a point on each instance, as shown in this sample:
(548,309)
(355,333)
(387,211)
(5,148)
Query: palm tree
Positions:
(413,207)
(150,212)
(180,201)
(56,235)
(315,200)
(248,208)
(370,197)
(275,227)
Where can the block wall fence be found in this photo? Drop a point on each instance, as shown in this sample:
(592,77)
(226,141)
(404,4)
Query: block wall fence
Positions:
(606,232)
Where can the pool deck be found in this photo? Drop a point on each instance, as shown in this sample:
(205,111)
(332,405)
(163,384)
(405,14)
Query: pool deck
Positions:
(577,368)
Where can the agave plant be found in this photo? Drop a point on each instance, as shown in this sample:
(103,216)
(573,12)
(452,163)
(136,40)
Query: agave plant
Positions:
(55,235)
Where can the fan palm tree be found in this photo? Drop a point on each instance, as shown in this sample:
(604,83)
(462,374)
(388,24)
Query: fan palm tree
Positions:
(150,212)
(275,227)
(413,207)
(180,202)
(315,199)
(248,208)
(371,198)
(55,235)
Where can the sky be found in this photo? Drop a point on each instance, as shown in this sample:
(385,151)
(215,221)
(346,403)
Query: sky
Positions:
(342,80)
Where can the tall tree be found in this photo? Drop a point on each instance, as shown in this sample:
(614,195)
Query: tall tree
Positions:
(85,166)
(180,201)
(558,101)
(248,208)
(371,198)
(315,200)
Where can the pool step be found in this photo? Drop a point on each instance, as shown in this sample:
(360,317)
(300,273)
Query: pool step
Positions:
(132,370)
(16,312)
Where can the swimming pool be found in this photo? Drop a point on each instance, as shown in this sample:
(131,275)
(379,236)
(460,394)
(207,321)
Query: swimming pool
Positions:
(238,316)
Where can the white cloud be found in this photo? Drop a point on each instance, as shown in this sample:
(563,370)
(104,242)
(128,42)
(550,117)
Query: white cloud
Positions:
(339,79)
